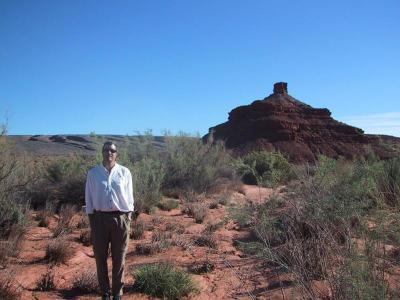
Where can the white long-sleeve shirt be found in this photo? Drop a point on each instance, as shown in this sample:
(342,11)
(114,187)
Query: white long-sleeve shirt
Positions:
(109,191)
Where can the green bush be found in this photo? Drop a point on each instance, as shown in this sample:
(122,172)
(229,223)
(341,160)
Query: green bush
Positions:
(339,191)
(388,182)
(61,181)
(14,177)
(315,231)
(148,175)
(164,281)
(360,277)
(193,165)
(242,214)
(264,168)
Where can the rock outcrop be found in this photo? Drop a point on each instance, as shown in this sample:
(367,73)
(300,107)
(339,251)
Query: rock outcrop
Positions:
(282,123)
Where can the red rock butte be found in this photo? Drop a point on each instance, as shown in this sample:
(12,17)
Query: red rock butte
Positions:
(282,123)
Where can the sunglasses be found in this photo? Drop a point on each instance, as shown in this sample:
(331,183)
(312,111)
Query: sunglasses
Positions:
(110,149)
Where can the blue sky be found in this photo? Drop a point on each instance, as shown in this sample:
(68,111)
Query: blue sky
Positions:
(126,66)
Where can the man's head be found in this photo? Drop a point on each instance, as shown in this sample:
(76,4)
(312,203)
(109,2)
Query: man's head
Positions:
(109,152)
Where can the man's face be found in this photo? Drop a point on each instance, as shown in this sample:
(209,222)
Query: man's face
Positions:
(110,153)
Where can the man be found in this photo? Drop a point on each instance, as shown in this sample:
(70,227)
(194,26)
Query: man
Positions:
(109,204)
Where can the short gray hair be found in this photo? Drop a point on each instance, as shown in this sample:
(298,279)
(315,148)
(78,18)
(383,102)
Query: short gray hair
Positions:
(108,143)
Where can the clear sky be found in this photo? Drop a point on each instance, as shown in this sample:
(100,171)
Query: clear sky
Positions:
(126,66)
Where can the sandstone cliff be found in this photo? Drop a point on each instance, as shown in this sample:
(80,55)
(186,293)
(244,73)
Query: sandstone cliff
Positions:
(283,123)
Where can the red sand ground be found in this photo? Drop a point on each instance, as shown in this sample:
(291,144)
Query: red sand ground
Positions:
(234,277)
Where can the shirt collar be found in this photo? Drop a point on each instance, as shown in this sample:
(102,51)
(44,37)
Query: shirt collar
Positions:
(116,166)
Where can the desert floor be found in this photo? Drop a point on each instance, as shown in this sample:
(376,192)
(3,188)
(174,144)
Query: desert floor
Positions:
(235,276)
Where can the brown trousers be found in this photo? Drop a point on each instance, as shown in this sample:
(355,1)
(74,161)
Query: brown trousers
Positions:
(110,228)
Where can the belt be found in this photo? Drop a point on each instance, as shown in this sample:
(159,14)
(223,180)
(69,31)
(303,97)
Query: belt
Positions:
(114,212)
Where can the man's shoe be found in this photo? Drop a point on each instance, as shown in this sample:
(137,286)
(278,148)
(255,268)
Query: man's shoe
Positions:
(117,297)
(105,297)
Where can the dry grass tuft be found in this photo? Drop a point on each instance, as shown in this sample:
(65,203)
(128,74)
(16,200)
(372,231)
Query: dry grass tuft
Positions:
(43,218)
(86,282)
(196,210)
(64,222)
(12,246)
(137,230)
(168,204)
(202,267)
(183,242)
(175,227)
(161,241)
(85,237)
(46,282)
(206,240)
(59,251)
(83,222)
(9,288)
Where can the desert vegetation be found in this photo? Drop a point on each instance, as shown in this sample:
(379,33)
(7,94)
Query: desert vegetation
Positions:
(337,223)
(325,230)
(164,281)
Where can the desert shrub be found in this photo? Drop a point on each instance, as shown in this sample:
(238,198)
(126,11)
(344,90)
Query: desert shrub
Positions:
(5,252)
(137,230)
(182,241)
(86,282)
(85,237)
(191,164)
(161,236)
(64,181)
(315,231)
(46,281)
(213,205)
(175,227)
(164,281)
(388,182)
(265,168)
(206,240)
(224,198)
(12,245)
(168,204)
(64,225)
(9,288)
(14,177)
(253,248)
(338,191)
(160,242)
(43,218)
(196,210)
(143,146)
(148,175)
(58,251)
(242,214)
(151,248)
(83,222)
(203,267)
(199,213)
(212,227)
(361,276)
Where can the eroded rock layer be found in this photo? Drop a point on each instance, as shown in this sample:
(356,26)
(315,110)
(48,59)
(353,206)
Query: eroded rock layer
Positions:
(283,123)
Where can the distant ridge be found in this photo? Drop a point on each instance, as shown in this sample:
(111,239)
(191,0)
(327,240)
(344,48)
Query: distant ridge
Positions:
(69,144)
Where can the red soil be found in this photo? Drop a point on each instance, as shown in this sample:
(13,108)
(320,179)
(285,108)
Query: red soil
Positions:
(235,276)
